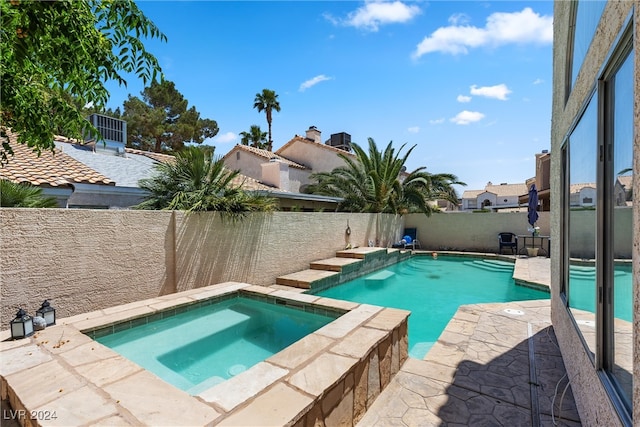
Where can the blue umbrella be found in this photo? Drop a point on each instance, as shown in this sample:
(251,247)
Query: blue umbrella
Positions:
(533,205)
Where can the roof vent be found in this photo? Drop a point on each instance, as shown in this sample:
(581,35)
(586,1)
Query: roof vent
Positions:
(545,151)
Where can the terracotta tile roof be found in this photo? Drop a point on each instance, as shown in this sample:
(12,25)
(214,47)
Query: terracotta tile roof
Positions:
(266,154)
(507,189)
(576,188)
(50,169)
(305,140)
(250,184)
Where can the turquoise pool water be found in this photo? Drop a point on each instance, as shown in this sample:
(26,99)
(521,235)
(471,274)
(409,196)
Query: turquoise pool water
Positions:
(204,346)
(582,290)
(433,289)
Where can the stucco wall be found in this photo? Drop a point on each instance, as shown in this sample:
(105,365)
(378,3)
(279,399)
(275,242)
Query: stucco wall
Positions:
(471,231)
(594,407)
(85,260)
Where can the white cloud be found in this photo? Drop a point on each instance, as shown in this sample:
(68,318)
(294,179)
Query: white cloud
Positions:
(414,129)
(436,121)
(522,27)
(466,117)
(497,92)
(376,13)
(538,81)
(225,138)
(312,82)
(463,98)
(459,19)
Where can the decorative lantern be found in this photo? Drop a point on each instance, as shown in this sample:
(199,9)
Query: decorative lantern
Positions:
(22,325)
(47,312)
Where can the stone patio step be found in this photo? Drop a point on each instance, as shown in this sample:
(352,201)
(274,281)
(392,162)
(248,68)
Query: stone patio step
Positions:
(306,279)
(361,253)
(338,264)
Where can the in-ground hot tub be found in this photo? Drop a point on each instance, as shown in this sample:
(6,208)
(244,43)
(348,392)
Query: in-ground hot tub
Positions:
(211,341)
(331,375)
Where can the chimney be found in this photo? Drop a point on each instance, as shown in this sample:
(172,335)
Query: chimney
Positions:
(314,134)
(276,173)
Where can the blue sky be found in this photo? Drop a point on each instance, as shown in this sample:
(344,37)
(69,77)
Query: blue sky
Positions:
(467,82)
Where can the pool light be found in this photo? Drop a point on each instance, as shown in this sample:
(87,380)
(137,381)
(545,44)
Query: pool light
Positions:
(47,312)
(22,325)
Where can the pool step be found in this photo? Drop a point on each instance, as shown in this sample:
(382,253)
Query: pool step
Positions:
(339,264)
(307,278)
(490,265)
(380,276)
(362,253)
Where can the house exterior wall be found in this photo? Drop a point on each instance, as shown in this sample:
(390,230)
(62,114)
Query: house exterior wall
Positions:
(251,165)
(312,155)
(593,404)
(247,163)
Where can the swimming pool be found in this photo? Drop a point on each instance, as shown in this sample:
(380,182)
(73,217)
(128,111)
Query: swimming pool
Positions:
(433,289)
(206,345)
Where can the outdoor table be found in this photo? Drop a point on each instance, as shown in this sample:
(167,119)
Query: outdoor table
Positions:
(534,243)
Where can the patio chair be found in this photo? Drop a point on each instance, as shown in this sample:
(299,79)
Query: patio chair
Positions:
(413,234)
(508,240)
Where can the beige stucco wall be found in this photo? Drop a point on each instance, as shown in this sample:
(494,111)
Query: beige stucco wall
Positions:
(314,155)
(594,407)
(471,231)
(85,260)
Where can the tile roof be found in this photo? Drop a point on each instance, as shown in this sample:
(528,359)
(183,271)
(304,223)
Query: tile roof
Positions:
(158,157)
(250,184)
(305,140)
(576,188)
(266,154)
(503,190)
(62,169)
(50,169)
(125,171)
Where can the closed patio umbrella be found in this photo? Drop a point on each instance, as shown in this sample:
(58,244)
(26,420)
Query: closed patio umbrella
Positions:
(533,205)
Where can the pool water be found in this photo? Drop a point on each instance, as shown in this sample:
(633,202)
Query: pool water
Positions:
(204,346)
(433,289)
(582,290)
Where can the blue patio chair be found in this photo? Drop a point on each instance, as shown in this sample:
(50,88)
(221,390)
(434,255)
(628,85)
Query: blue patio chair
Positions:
(508,240)
(412,242)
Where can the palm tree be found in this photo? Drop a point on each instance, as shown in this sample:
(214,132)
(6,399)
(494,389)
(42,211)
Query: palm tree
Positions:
(374,182)
(197,182)
(23,195)
(255,137)
(267,101)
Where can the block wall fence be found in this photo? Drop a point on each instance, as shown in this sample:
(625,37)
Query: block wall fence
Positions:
(86,260)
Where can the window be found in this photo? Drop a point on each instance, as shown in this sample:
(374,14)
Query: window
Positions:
(598,217)
(587,16)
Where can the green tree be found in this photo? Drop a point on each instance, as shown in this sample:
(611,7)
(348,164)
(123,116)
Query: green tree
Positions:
(267,101)
(162,121)
(197,182)
(56,55)
(14,195)
(374,182)
(255,137)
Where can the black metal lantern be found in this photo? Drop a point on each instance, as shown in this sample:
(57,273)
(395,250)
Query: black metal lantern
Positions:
(22,325)
(47,312)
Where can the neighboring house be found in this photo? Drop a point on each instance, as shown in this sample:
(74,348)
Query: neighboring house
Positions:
(267,167)
(58,174)
(105,176)
(290,167)
(542,182)
(311,152)
(582,195)
(494,197)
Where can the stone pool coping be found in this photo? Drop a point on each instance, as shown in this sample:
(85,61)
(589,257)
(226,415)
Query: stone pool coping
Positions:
(333,374)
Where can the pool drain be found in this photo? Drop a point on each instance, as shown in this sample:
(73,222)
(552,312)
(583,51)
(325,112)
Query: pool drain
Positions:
(237,369)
